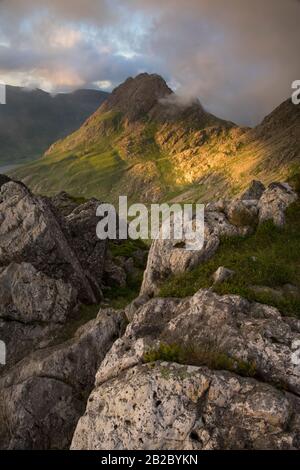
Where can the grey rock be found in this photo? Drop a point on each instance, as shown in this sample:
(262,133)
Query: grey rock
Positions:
(255,191)
(47,264)
(50,258)
(64,203)
(168,257)
(250,333)
(30,232)
(242,213)
(34,308)
(91,252)
(164,405)
(38,414)
(29,296)
(21,339)
(43,396)
(171,406)
(131,309)
(274,201)
(222,274)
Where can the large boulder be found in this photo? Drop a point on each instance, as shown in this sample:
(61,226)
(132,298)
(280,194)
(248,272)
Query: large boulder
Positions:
(29,296)
(255,191)
(34,307)
(274,202)
(230,380)
(21,339)
(170,256)
(48,265)
(80,226)
(31,232)
(206,328)
(172,406)
(42,397)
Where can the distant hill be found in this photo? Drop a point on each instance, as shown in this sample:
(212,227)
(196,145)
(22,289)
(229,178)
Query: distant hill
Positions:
(147,143)
(33,119)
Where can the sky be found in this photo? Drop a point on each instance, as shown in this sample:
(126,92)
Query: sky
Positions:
(239,57)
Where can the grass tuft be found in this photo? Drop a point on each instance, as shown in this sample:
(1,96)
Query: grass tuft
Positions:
(204,355)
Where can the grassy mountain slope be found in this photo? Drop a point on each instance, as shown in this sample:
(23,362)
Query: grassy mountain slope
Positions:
(32,120)
(147,143)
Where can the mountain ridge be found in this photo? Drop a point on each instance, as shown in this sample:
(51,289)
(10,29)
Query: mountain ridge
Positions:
(146,142)
(32,119)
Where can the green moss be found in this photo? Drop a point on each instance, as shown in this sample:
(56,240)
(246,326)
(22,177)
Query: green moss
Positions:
(269,257)
(205,355)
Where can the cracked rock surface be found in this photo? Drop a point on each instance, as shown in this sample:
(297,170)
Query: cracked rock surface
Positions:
(182,406)
(248,332)
(43,396)
(172,406)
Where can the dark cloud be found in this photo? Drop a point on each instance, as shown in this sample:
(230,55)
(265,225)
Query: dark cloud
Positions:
(238,57)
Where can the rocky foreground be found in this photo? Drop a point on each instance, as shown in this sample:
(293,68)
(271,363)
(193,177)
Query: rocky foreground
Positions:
(204,372)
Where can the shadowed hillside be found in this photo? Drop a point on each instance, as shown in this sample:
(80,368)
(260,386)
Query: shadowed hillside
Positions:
(33,119)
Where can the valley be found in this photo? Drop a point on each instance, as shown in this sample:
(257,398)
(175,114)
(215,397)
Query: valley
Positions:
(33,119)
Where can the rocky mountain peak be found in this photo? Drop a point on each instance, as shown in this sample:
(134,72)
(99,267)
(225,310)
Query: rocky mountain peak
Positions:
(137,96)
(285,118)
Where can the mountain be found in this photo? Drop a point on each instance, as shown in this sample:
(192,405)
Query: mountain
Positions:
(152,145)
(33,119)
(128,145)
(269,152)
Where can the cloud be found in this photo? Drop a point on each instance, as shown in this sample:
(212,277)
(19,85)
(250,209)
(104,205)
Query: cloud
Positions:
(64,45)
(238,57)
